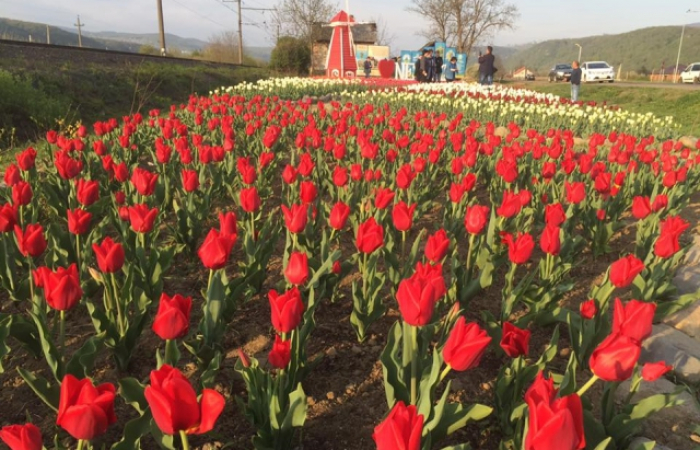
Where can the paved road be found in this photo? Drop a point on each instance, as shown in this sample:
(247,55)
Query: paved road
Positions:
(640,84)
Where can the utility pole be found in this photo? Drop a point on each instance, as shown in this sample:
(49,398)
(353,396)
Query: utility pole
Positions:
(161,28)
(48,34)
(80,32)
(240,24)
(680,46)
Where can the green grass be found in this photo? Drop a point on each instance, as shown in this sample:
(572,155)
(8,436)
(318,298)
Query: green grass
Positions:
(682,104)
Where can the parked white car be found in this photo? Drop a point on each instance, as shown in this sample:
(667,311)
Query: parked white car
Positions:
(691,74)
(597,71)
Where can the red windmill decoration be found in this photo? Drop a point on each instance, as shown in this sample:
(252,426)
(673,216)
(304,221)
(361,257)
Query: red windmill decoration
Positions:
(341,61)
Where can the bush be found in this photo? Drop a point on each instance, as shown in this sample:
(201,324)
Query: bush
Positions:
(291,56)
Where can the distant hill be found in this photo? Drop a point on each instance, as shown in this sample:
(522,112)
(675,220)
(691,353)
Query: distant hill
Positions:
(21,31)
(187,45)
(646,48)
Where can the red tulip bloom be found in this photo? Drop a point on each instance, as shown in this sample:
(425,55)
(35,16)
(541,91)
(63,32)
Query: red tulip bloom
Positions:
(295,218)
(660,202)
(510,205)
(85,410)
(61,288)
(286,309)
(465,345)
(22,437)
(515,341)
(554,423)
(250,201)
(402,429)
(281,353)
(307,192)
(142,218)
(667,244)
(575,192)
(641,207)
(554,214)
(8,218)
(614,358)
(339,216)
(416,297)
(215,249)
(588,309)
(625,270)
(383,197)
(402,216)
(173,317)
(21,193)
(66,166)
(549,241)
(634,319)
(228,224)
(31,241)
(654,371)
(476,218)
(437,245)
(174,403)
(340,176)
(78,221)
(88,191)
(190,180)
(370,236)
(144,181)
(520,248)
(121,172)
(297,271)
(12,175)
(26,160)
(110,255)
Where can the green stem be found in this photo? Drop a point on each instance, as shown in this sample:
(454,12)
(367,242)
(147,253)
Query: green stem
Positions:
(403,244)
(252,226)
(365,277)
(62,331)
(414,365)
(587,386)
(121,319)
(77,252)
(445,372)
(80,444)
(469,252)
(185,443)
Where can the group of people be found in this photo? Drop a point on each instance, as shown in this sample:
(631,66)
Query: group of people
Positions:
(429,68)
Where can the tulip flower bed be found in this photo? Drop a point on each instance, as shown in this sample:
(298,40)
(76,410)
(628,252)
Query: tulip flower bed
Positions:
(257,272)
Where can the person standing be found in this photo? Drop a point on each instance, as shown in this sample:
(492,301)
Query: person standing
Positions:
(425,66)
(575,81)
(451,70)
(368,67)
(438,67)
(486,67)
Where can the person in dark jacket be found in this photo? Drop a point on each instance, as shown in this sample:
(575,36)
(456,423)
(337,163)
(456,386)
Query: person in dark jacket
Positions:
(575,81)
(438,68)
(486,66)
(368,67)
(425,65)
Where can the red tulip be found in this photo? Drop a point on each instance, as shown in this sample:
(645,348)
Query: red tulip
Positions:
(437,245)
(190,180)
(144,181)
(554,423)
(61,288)
(31,241)
(588,309)
(88,191)
(66,166)
(520,248)
(215,249)
(142,218)
(383,196)
(402,216)
(654,371)
(172,320)
(8,218)
(110,255)
(307,191)
(22,437)
(295,219)
(554,214)
(289,174)
(614,358)
(575,192)
(250,201)
(370,236)
(286,309)
(667,244)
(85,410)
(515,341)
(339,216)
(549,241)
(625,270)
(465,345)
(510,205)
(174,403)
(660,202)
(281,353)
(78,221)
(21,193)
(641,207)
(401,430)
(476,218)
(340,176)
(26,160)
(12,175)
(634,319)
(416,297)
(228,224)
(297,271)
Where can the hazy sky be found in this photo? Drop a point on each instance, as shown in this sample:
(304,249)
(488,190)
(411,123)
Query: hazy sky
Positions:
(539,19)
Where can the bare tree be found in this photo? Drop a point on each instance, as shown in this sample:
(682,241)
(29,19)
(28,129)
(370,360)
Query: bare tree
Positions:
(297,17)
(384,36)
(222,47)
(464,23)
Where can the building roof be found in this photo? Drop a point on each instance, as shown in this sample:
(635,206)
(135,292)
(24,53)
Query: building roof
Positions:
(362,33)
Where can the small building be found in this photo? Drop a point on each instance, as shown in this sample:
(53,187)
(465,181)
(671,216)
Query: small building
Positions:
(362,34)
(523,74)
(666,74)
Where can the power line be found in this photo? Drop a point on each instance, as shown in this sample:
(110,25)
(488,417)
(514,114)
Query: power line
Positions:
(200,15)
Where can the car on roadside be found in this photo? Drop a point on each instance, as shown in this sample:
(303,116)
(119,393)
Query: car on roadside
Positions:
(530,77)
(599,71)
(691,74)
(560,72)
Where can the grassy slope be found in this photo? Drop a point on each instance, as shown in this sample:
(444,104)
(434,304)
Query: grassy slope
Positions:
(682,104)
